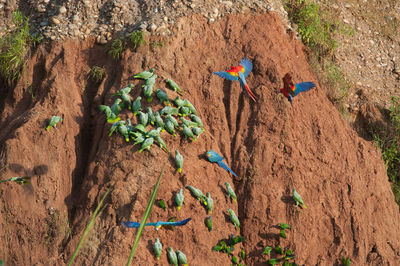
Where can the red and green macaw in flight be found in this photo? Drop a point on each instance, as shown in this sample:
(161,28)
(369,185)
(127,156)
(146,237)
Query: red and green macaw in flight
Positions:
(290,89)
(239,73)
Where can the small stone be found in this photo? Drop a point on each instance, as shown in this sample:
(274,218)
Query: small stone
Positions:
(227,3)
(335,6)
(46,1)
(152,27)
(52,37)
(359,84)
(371,42)
(75,18)
(55,20)
(62,10)
(43,23)
(101,39)
(86,3)
(166,19)
(211,20)
(347,5)
(346,21)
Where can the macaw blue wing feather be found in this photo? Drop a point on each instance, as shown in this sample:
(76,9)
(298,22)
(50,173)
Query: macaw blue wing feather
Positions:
(131,224)
(248,66)
(179,223)
(226,75)
(303,86)
(223,165)
(213,156)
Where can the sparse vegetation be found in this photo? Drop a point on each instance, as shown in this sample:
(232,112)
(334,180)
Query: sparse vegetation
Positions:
(97,73)
(346,261)
(229,246)
(57,225)
(14,47)
(116,48)
(156,44)
(137,39)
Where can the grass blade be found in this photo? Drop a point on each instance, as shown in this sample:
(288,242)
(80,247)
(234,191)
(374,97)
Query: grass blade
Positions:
(94,216)
(145,216)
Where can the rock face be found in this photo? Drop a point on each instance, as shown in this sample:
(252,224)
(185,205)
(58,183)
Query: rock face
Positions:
(350,207)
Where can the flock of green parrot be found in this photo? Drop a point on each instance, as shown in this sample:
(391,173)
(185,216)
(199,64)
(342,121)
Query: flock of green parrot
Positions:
(190,129)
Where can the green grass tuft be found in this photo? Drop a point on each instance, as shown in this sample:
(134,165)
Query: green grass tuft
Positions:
(137,38)
(97,73)
(14,47)
(116,48)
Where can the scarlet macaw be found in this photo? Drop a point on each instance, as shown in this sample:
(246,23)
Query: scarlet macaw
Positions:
(290,89)
(158,224)
(239,73)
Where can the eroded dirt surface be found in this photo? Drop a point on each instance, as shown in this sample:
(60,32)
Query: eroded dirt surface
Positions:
(350,207)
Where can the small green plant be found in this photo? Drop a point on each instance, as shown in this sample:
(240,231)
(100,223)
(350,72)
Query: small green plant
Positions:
(156,44)
(97,73)
(286,253)
(229,247)
(116,48)
(14,47)
(137,38)
(161,204)
(145,216)
(346,261)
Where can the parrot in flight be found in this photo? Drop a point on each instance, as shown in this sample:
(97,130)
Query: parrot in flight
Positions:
(291,90)
(216,158)
(158,224)
(239,73)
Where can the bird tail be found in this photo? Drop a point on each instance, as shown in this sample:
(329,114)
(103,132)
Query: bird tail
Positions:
(223,165)
(112,121)
(245,87)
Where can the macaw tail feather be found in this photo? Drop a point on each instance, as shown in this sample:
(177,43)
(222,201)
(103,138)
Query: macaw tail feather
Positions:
(223,165)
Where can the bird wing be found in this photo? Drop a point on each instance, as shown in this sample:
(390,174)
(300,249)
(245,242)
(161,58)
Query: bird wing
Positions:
(131,224)
(247,66)
(303,86)
(226,167)
(213,156)
(227,75)
(179,223)
(287,84)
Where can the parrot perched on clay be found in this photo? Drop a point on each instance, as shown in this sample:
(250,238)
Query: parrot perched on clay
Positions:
(234,218)
(210,203)
(123,129)
(150,114)
(147,144)
(188,123)
(145,74)
(54,120)
(110,116)
(139,139)
(190,106)
(143,118)
(117,107)
(174,86)
(179,102)
(137,105)
(158,224)
(148,91)
(197,119)
(216,158)
(291,90)
(151,81)
(188,133)
(209,223)
(168,110)
(140,128)
(181,258)
(115,126)
(184,111)
(239,73)
(172,258)
(161,143)
(297,198)
(179,199)
(158,120)
(127,99)
(173,120)
(162,96)
(178,160)
(125,90)
(169,127)
(157,247)
(231,192)
(154,132)
(197,194)
(197,131)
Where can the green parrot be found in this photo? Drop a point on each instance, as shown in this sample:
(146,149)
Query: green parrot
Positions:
(181,258)
(188,132)
(117,107)
(154,132)
(143,118)
(284,226)
(150,114)
(146,144)
(234,218)
(157,247)
(190,106)
(174,86)
(168,110)
(188,123)
(110,116)
(127,99)
(145,74)
(123,129)
(197,119)
(159,121)
(54,120)
(179,199)
(197,194)
(137,105)
(169,126)
(173,120)
(125,90)
(140,128)
(209,223)
(197,131)
(151,81)
(231,192)
(210,203)
(148,91)
(179,102)
(178,160)
(184,111)
(115,126)
(173,259)
(129,125)
(139,139)
(297,198)
(162,96)
(161,143)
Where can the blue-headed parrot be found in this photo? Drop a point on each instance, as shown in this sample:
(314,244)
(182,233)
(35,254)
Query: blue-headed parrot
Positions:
(239,73)
(216,158)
